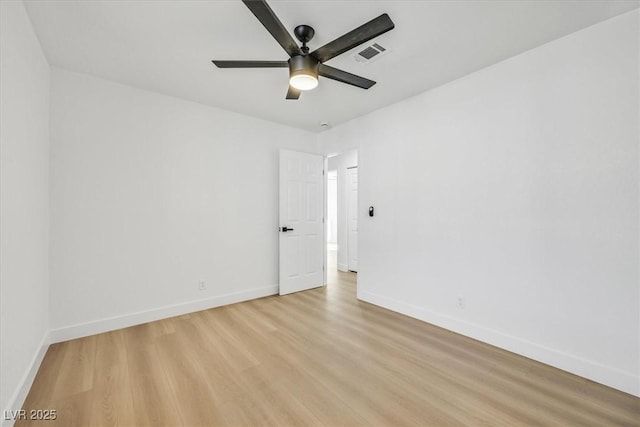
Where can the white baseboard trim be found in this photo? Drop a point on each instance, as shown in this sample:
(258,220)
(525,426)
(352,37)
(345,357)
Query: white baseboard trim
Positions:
(343,267)
(19,396)
(137,318)
(611,377)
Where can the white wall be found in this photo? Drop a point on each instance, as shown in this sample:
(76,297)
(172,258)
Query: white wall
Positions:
(340,163)
(24,204)
(515,188)
(152,194)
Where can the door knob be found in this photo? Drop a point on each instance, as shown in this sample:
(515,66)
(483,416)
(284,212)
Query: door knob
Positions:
(285,229)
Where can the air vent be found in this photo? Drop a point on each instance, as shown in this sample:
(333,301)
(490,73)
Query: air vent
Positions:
(370,53)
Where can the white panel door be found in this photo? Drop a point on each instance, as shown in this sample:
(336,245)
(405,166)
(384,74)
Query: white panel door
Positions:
(352,218)
(301,227)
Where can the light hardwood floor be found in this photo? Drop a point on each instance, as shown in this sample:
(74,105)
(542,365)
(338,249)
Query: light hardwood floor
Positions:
(314,358)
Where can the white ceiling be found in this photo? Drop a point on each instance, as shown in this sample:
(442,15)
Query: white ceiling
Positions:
(167,47)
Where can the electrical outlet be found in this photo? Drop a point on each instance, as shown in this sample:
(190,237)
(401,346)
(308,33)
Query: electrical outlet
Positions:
(461,302)
(201,285)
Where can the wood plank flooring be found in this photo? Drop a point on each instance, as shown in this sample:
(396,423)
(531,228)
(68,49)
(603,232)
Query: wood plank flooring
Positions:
(314,358)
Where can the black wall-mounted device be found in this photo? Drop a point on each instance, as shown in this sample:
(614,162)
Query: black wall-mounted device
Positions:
(370,210)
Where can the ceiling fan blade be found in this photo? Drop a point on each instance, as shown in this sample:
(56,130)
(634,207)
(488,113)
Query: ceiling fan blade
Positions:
(293,93)
(344,77)
(265,15)
(251,64)
(363,33)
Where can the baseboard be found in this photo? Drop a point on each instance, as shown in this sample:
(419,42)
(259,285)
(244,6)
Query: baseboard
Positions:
(137,318)
(343,267)
(19,396)
(611,377)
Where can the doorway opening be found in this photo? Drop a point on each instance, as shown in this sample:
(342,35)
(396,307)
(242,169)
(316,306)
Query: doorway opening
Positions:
(342,215)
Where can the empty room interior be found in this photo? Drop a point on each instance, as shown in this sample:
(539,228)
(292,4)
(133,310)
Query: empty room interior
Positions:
(383,213)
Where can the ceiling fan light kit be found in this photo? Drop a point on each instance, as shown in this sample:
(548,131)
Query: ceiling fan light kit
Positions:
(303,72)
(305,67)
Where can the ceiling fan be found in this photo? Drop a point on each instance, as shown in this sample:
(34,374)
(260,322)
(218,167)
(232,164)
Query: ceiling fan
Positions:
(305,67)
